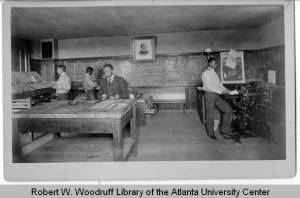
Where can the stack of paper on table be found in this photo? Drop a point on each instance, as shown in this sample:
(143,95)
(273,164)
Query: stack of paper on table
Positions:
(110,105)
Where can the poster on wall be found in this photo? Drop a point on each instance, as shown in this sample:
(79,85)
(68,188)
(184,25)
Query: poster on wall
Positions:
(232,67)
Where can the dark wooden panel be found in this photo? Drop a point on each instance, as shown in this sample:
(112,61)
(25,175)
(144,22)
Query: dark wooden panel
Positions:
(20,53)
(126,118)
(57,125)
(48,70)
(200,107)
(191,97)
(35,65)
(258,62)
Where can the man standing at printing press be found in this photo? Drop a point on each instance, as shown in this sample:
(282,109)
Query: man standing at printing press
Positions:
(63,84)
(213,89)
(113,87)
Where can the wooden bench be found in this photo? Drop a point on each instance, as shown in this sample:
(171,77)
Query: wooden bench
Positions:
(20,104)
(170,98)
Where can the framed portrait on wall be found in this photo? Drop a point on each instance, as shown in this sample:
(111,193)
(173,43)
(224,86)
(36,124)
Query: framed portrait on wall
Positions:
(232,67)
(144,48)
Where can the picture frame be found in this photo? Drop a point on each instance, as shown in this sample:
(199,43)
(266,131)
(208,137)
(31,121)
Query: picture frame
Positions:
(144,48)
(232,67)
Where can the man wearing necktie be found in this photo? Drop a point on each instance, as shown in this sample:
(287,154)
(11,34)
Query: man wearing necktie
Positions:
(113,87)
(213,89)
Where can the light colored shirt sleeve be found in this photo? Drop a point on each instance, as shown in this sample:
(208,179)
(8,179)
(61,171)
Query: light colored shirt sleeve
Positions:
(63,84)
(212,83)
(67,83)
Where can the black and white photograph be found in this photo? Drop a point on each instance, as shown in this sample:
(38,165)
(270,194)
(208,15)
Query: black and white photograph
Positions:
(129,83)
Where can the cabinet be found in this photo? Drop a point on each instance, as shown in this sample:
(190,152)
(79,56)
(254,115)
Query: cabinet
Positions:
(20,55)
(274,103)
(201,105)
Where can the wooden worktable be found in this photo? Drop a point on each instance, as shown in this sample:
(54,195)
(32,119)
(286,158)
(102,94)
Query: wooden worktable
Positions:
(99,117)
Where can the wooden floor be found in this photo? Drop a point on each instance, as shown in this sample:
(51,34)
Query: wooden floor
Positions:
(168,136)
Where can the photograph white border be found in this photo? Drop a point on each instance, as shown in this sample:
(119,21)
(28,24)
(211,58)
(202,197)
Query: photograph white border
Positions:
(152,170)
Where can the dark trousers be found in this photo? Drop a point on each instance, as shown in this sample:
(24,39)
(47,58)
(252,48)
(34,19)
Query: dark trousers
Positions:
(90,94)
(62,96)
(213,100)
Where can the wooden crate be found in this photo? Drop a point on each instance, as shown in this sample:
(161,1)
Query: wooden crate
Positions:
(23,103)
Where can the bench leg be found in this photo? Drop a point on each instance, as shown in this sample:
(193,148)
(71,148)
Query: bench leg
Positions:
(183,107)
(157,107)
(57,135)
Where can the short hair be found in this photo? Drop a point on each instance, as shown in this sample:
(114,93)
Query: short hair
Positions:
(210,60)
(108,65)
(89,69)
(63,67)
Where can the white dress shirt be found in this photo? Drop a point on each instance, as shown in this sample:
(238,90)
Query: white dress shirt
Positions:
(63,84)
(110,79)
(211,81)
(88,83)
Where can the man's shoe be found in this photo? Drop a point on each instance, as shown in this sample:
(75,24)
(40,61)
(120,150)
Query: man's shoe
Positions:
(230,135)
(212,137)
(227,136)
(237,140)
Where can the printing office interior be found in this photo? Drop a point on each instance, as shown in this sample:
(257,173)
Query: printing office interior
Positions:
(164,80)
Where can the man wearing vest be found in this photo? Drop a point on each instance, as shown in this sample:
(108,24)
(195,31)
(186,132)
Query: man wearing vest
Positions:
(113,87)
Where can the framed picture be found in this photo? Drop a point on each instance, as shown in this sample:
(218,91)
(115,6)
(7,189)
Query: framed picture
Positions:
(144,48)
(232,67)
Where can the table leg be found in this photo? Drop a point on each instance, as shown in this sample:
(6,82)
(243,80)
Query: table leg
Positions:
(117,140)
(32,135)
(17,154)
(203,110)
(133,131)
(157,107)
(133,124)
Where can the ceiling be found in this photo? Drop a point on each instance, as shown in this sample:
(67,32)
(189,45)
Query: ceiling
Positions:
(66,22)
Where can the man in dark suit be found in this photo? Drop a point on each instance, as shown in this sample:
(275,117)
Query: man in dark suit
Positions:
(113,87)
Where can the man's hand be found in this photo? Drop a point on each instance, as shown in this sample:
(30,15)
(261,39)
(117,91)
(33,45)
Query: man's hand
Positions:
(226,91)
(233,92)
(103,97)
(53,84)
(200,88)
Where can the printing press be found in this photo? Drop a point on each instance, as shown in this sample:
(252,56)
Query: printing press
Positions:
(249,117)
(28,88)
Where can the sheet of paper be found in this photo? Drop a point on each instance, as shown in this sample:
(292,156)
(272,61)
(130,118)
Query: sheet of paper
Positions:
(231,60)
(109,105)
(272,76)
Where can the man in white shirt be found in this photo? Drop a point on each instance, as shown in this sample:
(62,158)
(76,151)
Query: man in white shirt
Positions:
(213,89)
(63,84)
(88,84)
